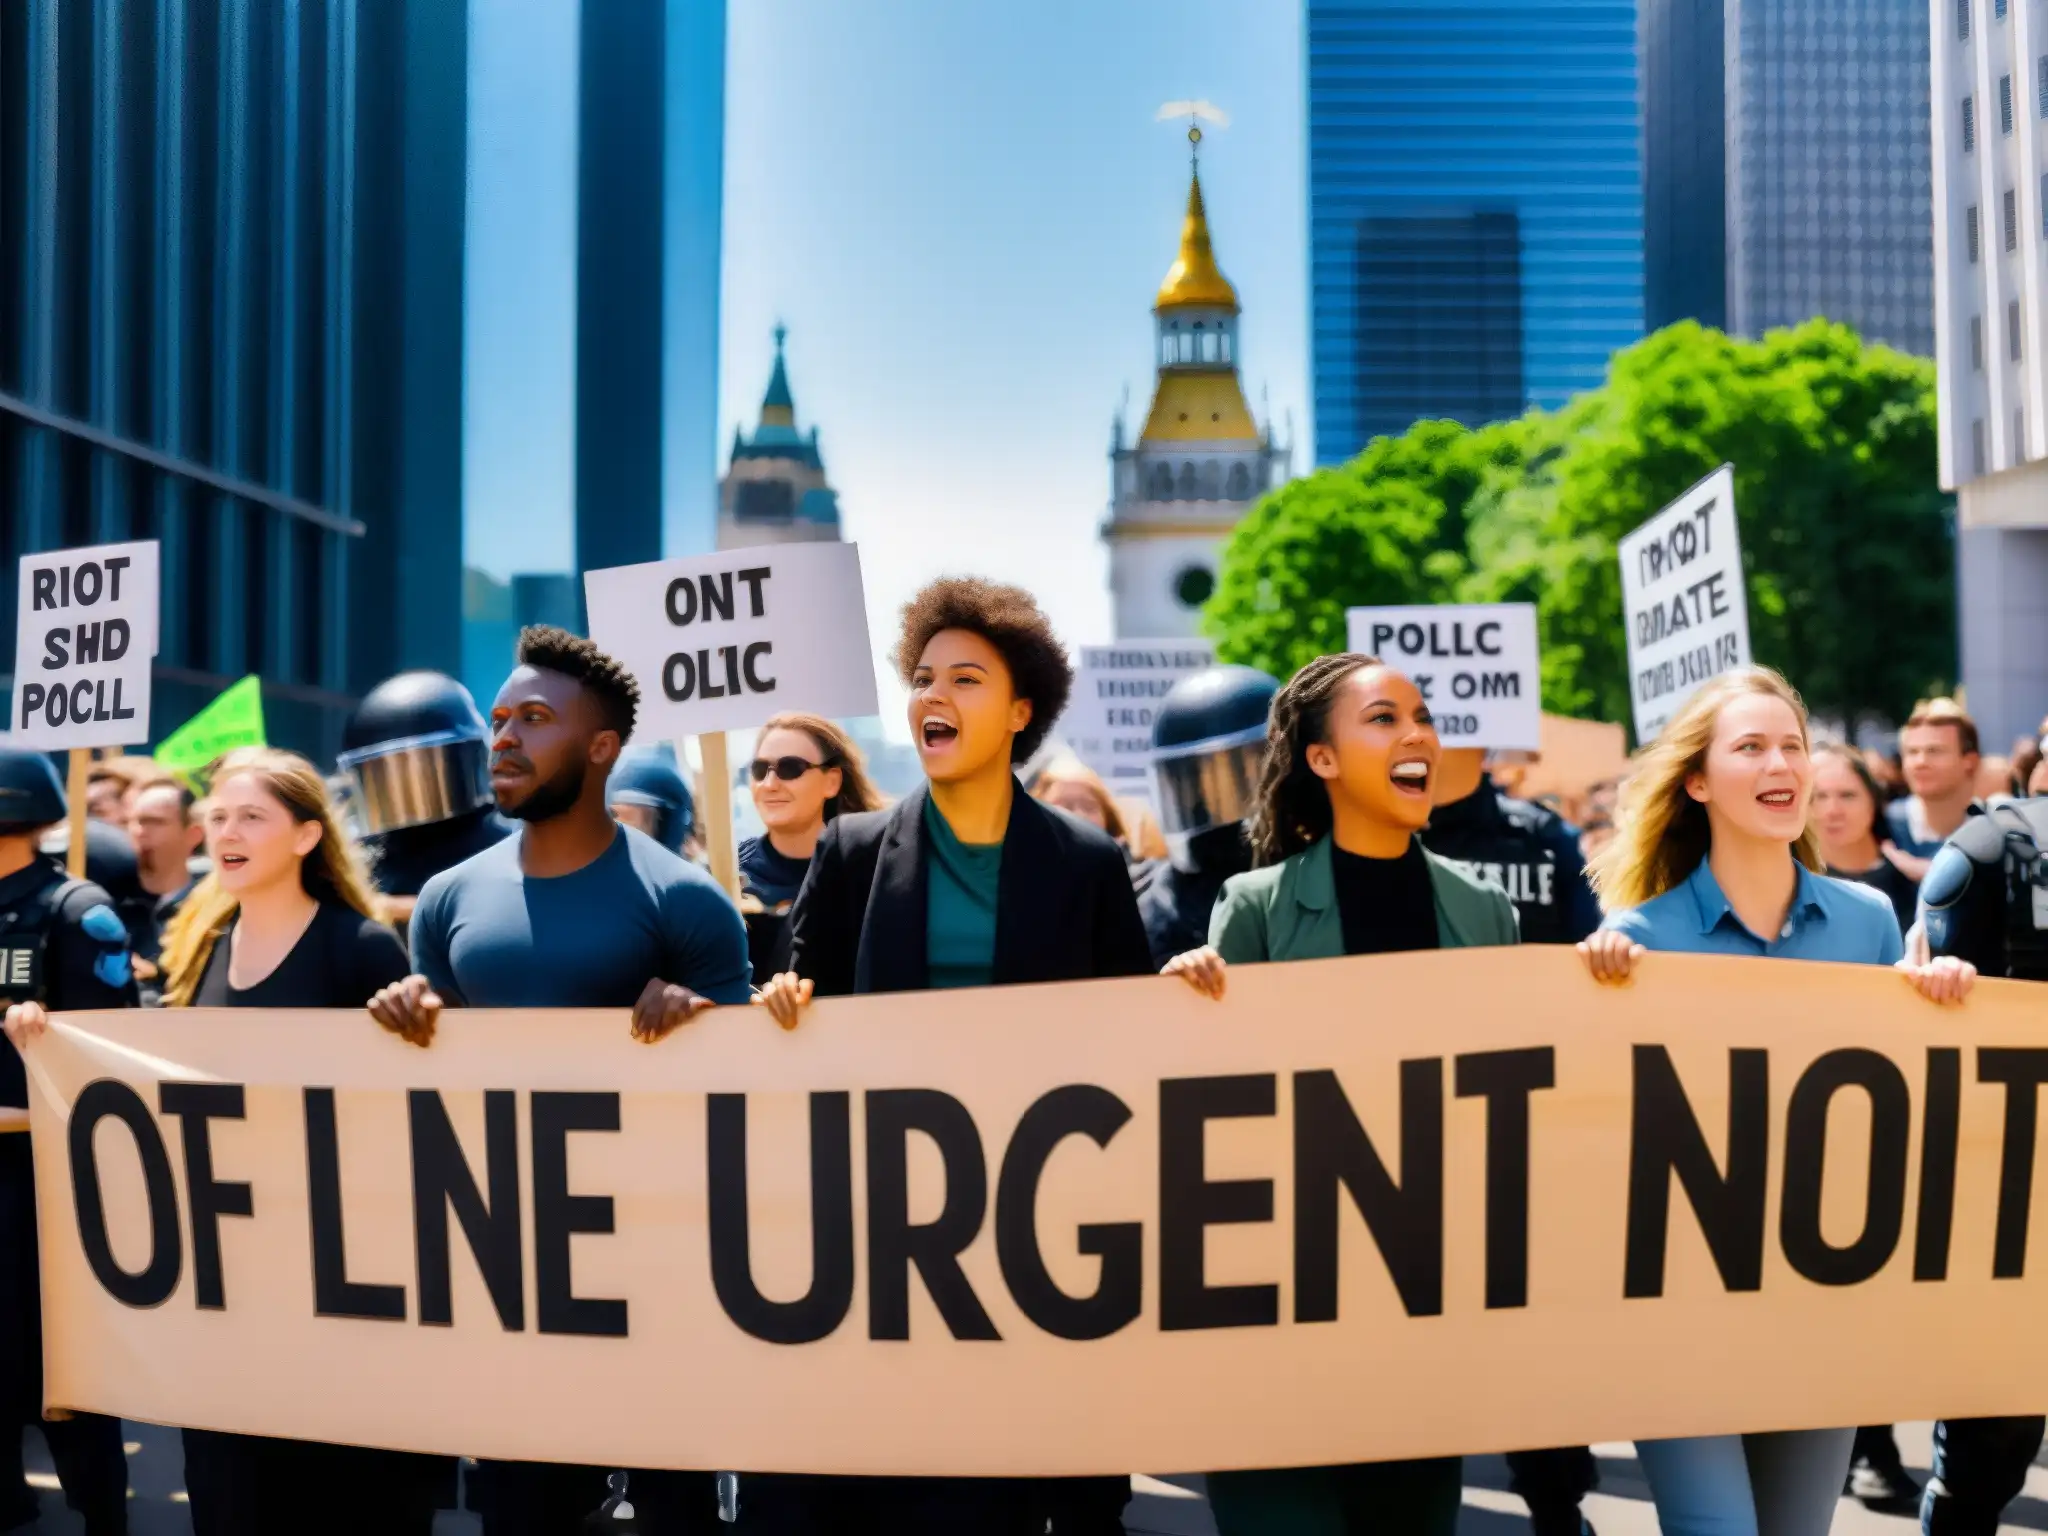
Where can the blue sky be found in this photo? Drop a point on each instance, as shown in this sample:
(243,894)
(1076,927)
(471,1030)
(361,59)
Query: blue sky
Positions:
(961,210)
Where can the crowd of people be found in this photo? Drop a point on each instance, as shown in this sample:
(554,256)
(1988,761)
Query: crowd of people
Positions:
(539,859)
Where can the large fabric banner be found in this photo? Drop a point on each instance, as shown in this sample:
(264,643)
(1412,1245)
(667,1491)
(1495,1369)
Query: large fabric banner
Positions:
(1362,1209)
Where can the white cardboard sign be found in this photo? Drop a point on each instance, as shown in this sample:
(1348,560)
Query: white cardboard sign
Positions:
(1108,722)
(1684,601)
(1476,664)
(721,642)
(85,635)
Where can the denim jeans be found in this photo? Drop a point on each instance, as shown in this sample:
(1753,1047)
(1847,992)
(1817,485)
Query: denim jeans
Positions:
(1747,1485)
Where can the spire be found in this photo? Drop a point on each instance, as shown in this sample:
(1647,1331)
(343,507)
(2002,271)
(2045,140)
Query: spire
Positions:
(1194,278)
(778,406)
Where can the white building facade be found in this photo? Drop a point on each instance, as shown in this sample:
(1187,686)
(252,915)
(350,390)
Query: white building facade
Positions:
(1199,461)
(1990,139)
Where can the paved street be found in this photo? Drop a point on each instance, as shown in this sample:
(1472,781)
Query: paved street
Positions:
(1163,1507)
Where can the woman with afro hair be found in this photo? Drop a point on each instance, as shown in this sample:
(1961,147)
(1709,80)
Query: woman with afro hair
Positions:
(966,882)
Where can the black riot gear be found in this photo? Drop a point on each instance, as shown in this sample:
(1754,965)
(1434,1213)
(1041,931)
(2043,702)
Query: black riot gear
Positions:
(31,794)
(1208,750)
(1529,851)
(62,945)
(647,778)
(418,751)
(1985,897)
(417,755)
(1985,900)
(1208,747)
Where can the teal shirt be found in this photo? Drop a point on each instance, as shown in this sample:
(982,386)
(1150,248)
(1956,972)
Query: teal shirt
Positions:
(960,905)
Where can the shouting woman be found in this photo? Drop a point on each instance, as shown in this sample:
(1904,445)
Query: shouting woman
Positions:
(967,882)
(1714,854)
(1351,750)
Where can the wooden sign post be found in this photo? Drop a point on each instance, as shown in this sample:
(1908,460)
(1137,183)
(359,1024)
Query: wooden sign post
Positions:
(75,782)
(717,813)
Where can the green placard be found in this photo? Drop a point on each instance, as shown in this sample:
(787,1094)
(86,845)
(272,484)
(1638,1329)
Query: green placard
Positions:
(235,719)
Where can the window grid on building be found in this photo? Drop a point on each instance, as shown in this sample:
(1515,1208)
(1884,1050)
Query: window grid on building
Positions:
(1970,235)
(1977,445)
(1976,343)
(2042,89)
(2012,329)
(1998,9)
(2005,105)
(2012,221)
(1969,124)
(1963,20)
(1549,133)
(2019,434)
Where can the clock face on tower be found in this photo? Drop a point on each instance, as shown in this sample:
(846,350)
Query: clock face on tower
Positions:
(1194,585)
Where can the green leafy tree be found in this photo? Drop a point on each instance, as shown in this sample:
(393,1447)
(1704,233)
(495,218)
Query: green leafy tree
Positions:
(1389,527)
(1847,542)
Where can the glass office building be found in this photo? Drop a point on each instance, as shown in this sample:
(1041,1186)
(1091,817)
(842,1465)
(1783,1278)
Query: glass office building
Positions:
(1475,208)
(1787,166)
(596,200)
(281,288)
(230,321)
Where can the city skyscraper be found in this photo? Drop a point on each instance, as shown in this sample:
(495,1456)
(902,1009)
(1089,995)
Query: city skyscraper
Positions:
(1990,141)
(595,368)
(1786,166)
(1475,208)
(231,254)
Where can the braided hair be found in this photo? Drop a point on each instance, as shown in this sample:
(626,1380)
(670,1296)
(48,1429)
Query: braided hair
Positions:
(1293,808)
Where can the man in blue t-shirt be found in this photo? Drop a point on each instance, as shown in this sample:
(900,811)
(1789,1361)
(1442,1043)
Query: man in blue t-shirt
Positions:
(576,911)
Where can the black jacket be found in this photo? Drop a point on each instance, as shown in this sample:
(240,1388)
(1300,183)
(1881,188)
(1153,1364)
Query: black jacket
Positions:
(1064,908)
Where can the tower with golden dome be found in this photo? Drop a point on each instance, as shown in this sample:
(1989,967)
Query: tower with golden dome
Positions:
(1199,462)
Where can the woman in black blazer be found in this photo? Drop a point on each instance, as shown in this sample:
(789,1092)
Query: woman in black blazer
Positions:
(967,881)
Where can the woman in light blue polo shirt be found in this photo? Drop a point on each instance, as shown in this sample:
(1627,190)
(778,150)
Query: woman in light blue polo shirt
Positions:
(1714,855)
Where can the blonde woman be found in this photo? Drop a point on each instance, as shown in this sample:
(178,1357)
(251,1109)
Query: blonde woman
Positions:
(286,921)
(1714,853)
(1068,784)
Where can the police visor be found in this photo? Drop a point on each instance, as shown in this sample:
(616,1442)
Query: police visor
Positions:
(418,780)
(1209,783)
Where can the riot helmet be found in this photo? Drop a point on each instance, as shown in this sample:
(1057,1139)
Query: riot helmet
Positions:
(418,752)
(31,794)
(647,779)
(1208,750)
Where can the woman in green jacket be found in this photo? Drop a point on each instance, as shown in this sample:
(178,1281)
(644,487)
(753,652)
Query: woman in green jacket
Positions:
(1351,751)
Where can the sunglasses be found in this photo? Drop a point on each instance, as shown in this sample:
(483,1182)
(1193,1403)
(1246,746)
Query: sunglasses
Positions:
(787,769)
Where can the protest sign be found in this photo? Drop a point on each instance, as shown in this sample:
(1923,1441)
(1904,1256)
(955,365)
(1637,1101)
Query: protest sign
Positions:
(1476,665)
(1452,1202)
(1684,601)
(84,639)
(721,642)
(1108,720)
(234,719)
